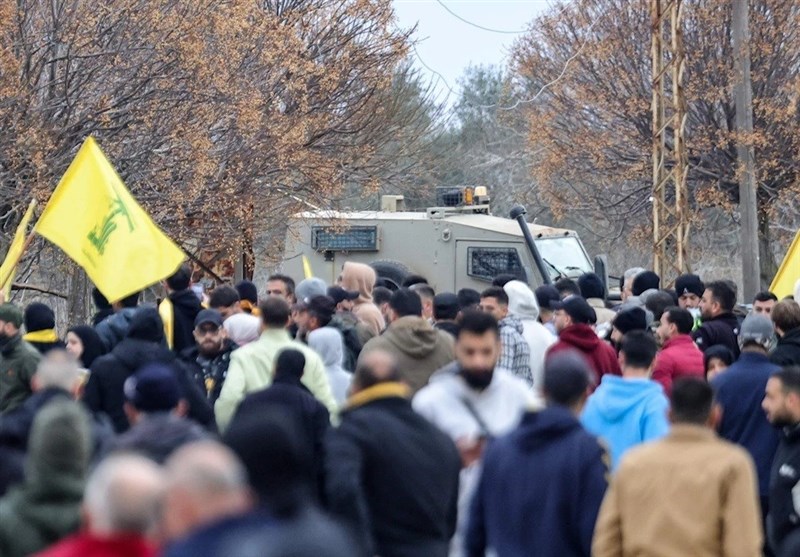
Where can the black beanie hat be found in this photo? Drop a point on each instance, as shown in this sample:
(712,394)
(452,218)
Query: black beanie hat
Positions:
(646,280)
(591,286)
(39,317)
(631,319)
(689,284)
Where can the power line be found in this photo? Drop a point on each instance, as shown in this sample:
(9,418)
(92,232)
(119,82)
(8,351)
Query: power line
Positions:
(455,15)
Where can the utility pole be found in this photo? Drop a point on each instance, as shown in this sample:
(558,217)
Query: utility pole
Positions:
(671,217)
(748,203)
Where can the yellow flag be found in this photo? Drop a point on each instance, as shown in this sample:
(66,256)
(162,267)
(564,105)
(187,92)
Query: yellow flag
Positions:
(307,268)
(9,267)
(93,217)
(789,271)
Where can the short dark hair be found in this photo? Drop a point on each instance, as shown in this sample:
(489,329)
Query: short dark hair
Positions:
(497,293)
(640,349)
(477,323)
(658,302)
(291,362)
(223,297)
(567,285)
(502,280)
(411,280)
(423,291)
(681,318)
(275,312)
(692,399)
(591,286)
(285,279)
(786,315)
(765,296)
(366,376)
(468,297)
(722,292)
(181,279)
(130,301)
(406,302)
(789,378)
(322,308)
(381,295)
(566,377)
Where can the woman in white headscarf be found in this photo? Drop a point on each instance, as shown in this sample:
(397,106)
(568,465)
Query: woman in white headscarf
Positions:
(243,328)
(328,343)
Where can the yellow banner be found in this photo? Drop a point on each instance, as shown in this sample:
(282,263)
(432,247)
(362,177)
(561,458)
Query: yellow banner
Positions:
(96,221)
(8,269)
(789,271)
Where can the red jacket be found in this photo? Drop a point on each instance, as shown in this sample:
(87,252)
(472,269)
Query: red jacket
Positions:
(85,544)
(679,357)
(601,356)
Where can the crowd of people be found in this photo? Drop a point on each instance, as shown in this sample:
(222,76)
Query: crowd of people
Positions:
(357,420)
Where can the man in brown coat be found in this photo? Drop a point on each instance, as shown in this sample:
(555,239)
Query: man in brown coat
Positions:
(418,348)
(688,494)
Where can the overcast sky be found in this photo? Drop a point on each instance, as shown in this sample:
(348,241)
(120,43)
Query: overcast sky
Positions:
(448,45)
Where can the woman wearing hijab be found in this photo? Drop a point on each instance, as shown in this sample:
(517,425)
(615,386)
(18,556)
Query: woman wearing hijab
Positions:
(84,343)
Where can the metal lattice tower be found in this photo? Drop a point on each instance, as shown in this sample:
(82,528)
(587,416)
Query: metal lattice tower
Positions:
(671,216)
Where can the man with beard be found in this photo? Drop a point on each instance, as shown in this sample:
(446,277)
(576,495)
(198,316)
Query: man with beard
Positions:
(18,359)
(720,325)
(782,406)
(208,360)
(472,402)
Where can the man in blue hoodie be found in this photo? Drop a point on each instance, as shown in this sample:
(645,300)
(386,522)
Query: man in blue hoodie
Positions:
(542,484)
(629,410)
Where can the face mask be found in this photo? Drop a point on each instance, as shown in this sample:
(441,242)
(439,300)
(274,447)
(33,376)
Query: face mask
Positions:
(478,379)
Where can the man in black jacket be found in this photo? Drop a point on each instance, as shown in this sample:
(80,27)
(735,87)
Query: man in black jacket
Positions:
(143,344)
(183,305)
(208,360)
(786,318)
(293,398)
(390,474)
(782,405)
(720,325)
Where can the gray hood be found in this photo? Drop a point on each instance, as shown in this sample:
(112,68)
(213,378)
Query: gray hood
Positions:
(521,300)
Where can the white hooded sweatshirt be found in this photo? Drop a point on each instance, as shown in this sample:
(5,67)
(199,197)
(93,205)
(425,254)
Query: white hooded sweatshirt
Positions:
(522,304)
(328,343)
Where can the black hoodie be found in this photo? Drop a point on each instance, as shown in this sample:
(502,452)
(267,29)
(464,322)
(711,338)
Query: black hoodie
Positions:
(185,306)
(787,352)
(143,344)
(722,329)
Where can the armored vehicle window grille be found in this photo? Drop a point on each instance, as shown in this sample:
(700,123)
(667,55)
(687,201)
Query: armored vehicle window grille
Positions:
(354,238)
(487,263)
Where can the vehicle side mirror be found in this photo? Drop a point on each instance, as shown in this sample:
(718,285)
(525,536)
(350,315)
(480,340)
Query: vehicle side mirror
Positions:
(601,270)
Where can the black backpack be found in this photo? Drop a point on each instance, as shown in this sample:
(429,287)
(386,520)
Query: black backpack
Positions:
(352,344)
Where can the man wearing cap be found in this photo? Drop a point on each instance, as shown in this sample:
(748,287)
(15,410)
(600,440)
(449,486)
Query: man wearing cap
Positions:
(40,324)
(354,332)
(573,319)
(740,390)
(542,484)
(155,410)
(545,296)
(631,318)
(18,360)
(209,359)
(418,348)
(445,313)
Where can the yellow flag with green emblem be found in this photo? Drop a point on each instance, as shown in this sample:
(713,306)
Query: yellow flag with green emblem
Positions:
(9,267)
(789,272)
(96,221)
